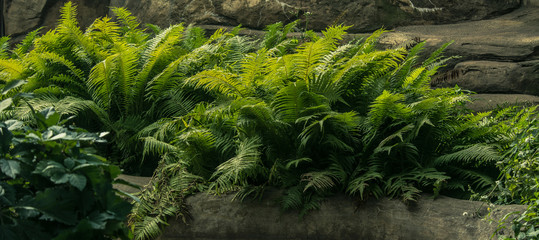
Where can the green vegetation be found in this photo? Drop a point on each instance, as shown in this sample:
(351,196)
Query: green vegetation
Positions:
(54,186)
(314,116)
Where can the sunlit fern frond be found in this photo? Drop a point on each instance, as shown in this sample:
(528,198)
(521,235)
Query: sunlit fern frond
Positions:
(221,82)
(254,66)
(101,83)
(387,105)
(369,44)
(105,32)
(308,58)
(184,66)
(4,47)
(436,56)
(70,34)
(126,65)
(11,69)
(27,43)
(130,26)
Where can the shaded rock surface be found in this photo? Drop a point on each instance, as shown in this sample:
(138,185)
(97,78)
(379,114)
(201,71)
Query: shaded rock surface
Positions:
(364,15)
(485,102)
(499,55)
(339,217)
(23,16)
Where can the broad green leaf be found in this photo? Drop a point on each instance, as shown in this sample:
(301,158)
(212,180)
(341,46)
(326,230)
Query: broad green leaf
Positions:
(77,180)
(49,168)
(5,103)
(69,163)
(59,136)
(10,167)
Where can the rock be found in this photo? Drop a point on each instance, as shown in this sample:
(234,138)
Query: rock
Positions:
(364,15)
(339,217)
(486,102)
(496,77)
(497,55)
(23,16)
(134,180)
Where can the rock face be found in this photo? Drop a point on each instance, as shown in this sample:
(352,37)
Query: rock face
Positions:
(338,218)
(364,15)
(23,16)
(499,55)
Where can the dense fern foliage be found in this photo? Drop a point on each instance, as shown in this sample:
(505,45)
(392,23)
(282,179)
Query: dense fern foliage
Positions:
(114,76)
(314,116)
(323,119)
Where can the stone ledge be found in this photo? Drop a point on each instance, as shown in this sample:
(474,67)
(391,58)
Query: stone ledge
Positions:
(486,102)
(338,218)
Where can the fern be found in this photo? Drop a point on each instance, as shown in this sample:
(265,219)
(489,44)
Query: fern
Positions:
(4,46)
(221,82)
(235,171)
(27,43)
(477,154)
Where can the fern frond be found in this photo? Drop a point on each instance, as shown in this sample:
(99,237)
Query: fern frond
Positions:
(152,145)
(104,31)
(101,83)
(369,44)
(366,183)
(11,69)
(159,53)
(387,105)
(4,46)
(130,25)
(254,66)
(237,170)
(308,58)
(150,227)
(436,55)
(476,154)
(69,33)
(27,43)
(291,102)
(220,81)
(126,70)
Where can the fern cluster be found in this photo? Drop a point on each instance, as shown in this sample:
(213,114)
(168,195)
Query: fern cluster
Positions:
(314,116)
(326,118)
(114,76)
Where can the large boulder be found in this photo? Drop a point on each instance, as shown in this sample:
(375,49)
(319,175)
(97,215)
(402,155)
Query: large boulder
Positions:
(340,217)
(23,16)
(499,55)
(364,15)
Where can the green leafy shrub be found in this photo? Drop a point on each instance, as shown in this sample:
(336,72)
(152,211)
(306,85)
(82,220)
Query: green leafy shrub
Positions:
(519,179)
(321,119)
(54,186)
